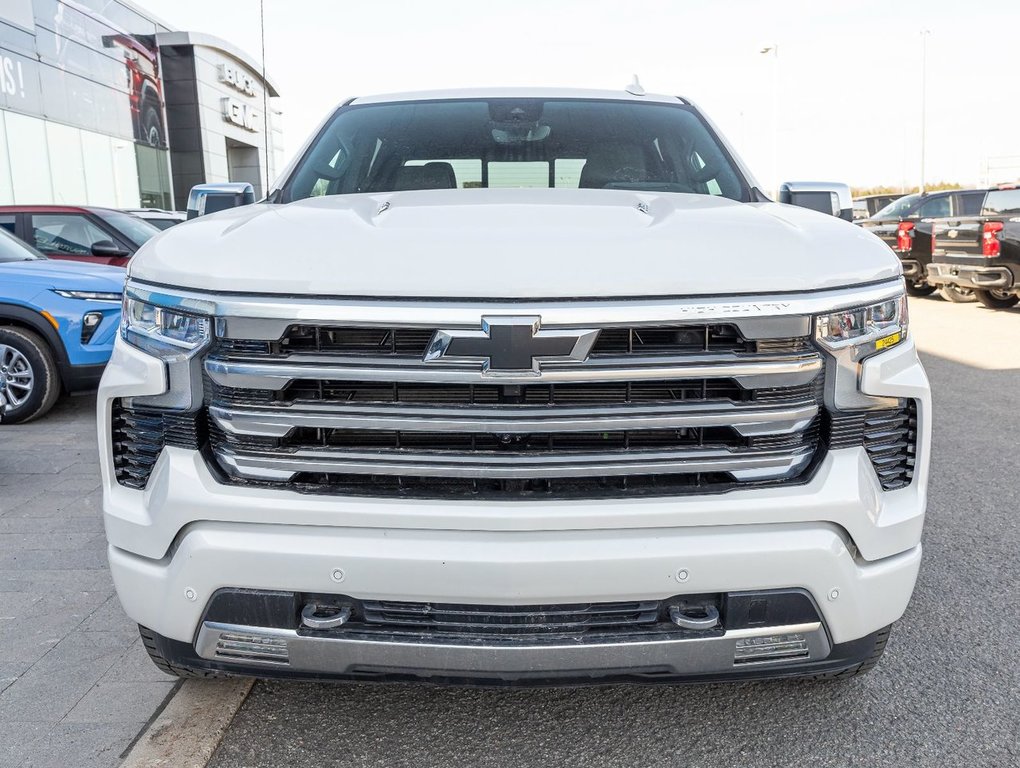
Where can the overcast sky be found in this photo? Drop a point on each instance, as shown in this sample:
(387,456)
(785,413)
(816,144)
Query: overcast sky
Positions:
(849,73)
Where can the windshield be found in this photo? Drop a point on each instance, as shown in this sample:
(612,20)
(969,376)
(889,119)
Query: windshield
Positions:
(898,208)
(503,143)
(13,249)
(131,227)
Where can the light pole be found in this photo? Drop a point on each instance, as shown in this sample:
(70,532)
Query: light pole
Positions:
(773,48)
(924,97)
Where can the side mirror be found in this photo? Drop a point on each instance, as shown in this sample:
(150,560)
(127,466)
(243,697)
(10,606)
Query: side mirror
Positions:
(829,197)
(108,249)
(209,198)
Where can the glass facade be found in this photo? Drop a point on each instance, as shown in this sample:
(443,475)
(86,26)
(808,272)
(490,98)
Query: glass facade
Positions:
(83,117)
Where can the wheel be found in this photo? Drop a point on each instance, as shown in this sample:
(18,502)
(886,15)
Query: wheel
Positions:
(29,380)
(956,294)
(151,642)
(920,288)
(996,299)
(152,127)
(881,639)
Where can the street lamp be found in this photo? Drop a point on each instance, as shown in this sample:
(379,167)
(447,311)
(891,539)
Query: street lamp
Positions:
(765,50)
(924,97)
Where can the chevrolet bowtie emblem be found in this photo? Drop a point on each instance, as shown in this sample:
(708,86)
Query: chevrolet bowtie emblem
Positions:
(511,345)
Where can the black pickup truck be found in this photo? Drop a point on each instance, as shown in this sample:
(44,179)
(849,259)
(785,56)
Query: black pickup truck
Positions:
(982,253)
(906,225)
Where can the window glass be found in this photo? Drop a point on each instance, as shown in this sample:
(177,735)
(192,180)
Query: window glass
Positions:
(12,249)
(898,208)
(6,188)
(30,166)
(162,224)
(68,233)
(466,173)
(7,222)
(515,174)
(567,172)
(969,203)
(98,157)
(67,165)
(937,207)
(153,177)
(18,12)
(1001,202)
(602,144)
(130,227)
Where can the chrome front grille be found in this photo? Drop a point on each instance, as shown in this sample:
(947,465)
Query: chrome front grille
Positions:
(683,408)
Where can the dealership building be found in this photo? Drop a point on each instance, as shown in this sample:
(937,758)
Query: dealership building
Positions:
(103,104)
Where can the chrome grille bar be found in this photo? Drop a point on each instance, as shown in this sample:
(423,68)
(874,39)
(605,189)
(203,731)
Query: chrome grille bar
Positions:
(508,465)
(746,418)
(750,371)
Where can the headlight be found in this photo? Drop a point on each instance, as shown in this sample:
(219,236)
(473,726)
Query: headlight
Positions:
(864,330)
(90,295)
(162,332)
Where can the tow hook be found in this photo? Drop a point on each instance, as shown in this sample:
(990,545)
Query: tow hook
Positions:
(315,616)
(694,617)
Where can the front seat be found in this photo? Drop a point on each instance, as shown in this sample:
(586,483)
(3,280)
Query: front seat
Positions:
(433,175)
(613,162)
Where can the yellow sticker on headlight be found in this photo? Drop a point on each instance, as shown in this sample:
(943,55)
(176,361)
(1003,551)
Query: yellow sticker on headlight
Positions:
(889,341)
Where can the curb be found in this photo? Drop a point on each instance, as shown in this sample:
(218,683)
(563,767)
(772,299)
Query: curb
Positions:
(188,730)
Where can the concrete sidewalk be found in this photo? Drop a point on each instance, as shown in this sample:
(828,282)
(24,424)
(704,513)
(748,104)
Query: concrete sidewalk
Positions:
(76,685)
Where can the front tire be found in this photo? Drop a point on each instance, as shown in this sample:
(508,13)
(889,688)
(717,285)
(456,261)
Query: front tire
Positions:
(995,299)
(956,294)
(920,289)
(29,379)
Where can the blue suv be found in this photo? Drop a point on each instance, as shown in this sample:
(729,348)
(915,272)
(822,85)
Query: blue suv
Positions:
(58,322)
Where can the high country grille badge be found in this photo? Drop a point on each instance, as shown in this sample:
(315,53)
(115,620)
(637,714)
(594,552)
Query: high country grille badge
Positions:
(511,345)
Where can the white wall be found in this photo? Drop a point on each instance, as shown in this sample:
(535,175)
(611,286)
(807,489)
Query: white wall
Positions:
(43,163)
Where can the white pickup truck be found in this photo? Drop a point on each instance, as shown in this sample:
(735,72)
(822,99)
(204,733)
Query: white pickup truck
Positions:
(515,386)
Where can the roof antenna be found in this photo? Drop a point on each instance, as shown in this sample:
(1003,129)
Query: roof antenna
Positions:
(635,88)
(265,95)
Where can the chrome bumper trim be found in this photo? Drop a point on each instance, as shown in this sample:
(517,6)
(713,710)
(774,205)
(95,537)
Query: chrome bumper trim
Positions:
(941,273)
(746,420)
(749,465)
(308,652)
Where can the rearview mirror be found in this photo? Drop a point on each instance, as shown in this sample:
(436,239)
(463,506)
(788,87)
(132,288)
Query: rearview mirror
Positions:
(209,198)
(829,197)
(108,249)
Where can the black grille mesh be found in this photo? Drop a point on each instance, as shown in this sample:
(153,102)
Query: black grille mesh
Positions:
(492,620)
(140,434)
(888,435)
(413,342)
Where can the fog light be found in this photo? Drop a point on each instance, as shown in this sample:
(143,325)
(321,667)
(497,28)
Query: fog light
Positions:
(89,324)
(249,646)
(770,648)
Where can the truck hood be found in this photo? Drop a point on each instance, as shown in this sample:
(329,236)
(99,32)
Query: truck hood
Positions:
(65,275)
(515,244)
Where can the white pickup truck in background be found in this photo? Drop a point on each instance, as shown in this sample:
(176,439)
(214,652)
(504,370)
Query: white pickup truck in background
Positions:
(516,386)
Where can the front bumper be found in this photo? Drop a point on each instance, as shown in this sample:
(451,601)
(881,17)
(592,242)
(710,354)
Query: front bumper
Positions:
(852,546)
(963,276)
(170,596)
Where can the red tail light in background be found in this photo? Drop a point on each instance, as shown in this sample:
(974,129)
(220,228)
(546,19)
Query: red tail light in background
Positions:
(905,236)
(990,245)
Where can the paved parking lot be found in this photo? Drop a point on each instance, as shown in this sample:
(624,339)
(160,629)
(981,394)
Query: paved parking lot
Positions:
(76,686)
